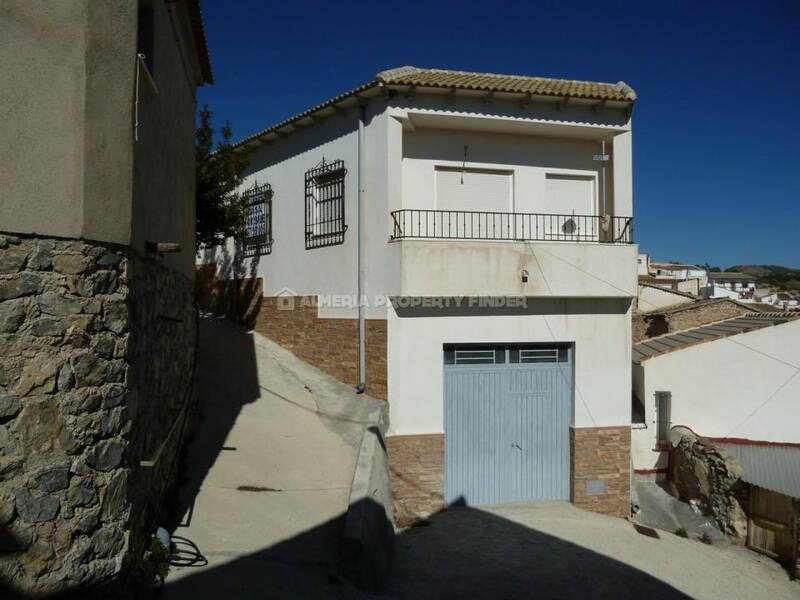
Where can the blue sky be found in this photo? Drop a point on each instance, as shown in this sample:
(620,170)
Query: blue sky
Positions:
(716,127)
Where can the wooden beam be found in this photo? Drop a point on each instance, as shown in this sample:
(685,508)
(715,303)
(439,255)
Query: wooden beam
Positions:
(563,103)
(410,93)
(599,107)
(526,101)
(488,98)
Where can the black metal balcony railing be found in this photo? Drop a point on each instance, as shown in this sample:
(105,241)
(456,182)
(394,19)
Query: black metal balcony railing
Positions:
(413,223)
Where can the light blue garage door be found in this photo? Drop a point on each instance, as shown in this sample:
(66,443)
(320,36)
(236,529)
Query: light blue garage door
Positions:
(507,412)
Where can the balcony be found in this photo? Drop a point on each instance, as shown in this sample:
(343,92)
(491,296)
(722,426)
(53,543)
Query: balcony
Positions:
(514,254)
(427,224)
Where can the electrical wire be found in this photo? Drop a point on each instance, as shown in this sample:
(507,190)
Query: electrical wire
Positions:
(553,336)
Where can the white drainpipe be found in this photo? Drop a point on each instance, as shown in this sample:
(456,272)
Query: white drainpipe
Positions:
(362,330)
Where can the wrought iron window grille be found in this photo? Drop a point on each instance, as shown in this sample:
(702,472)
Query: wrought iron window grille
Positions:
(325,204)
(257,237)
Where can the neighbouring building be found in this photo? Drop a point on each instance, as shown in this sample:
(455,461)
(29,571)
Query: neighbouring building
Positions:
(97,324)
(683,278)
(459,244)
(653,297)
(781,300)
(676,271)
(730,379)
(738,286)
(686,316)
(643,264)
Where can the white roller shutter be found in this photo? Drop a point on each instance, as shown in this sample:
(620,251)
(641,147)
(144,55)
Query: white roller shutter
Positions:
(568,194)
(481,190)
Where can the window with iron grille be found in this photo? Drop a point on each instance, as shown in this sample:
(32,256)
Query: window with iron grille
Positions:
(325,224)
(257,237)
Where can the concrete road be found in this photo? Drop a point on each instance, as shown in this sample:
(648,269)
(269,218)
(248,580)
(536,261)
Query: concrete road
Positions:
(269,472)
(557,551)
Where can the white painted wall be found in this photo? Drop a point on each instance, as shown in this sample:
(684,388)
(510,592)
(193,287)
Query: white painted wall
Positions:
(690,286)
(400,161)
(643,264)
(330,270)
(653,298)
(399,171)
(600,330)
(718,291)
(744,386)
(529,159)
(555,269)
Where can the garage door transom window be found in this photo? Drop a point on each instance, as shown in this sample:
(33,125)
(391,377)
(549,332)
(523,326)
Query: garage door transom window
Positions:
(473,354)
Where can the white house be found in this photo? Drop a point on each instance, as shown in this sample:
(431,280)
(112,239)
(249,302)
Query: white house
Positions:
(737,286)
(462,243)
(731,380)
(676,271)
(643,264)
(782,300)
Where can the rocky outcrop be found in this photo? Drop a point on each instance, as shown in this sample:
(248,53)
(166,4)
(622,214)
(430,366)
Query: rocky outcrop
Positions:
(705,475)
(96,348)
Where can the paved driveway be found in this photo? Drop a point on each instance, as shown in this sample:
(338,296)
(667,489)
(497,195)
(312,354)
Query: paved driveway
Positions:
(269,472)
(557,551)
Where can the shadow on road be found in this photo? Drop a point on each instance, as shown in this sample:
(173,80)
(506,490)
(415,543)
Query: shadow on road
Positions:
(227,380)
(458,553)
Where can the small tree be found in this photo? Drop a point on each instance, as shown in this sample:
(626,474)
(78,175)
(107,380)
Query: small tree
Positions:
(219,209)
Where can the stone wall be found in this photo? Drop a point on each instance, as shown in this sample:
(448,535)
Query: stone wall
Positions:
(705,474)
(796,572)
(705,313)
(96,353)
(601,469)
(416,467)
(645,326)
(653,323)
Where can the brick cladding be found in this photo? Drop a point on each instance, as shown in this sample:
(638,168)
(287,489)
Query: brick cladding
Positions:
(293,322)
(601,454)
(329,344)
(416,467)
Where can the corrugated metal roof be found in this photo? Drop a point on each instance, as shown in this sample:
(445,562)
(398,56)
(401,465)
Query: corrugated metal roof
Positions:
(461,80)
(706,333)
(774,467)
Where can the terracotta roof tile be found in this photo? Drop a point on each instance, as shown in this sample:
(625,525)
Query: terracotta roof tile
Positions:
(493,82)
(462,80)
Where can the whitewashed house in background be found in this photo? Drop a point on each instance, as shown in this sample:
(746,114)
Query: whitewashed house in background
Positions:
(737,286)
(781,300)
(676,271)
(643,264)
(496,214)
(731,380)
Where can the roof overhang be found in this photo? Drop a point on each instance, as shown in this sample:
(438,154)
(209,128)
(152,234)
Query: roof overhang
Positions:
(378,88)
(200,43)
